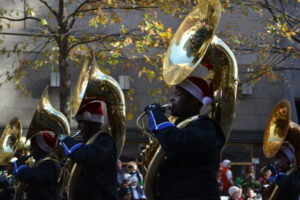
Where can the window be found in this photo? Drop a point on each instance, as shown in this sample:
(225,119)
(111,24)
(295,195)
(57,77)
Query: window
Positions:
(237,153)
(240,156)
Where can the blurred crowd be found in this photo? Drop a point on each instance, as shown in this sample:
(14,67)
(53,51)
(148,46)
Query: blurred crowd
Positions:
(246,187)
(130,181)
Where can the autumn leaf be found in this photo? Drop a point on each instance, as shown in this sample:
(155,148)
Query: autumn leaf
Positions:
(44,22)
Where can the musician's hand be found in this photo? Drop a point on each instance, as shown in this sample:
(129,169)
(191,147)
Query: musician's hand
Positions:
(19,164)
(157,119)
(276,173)
(70,145)
(152,106)
(21,160)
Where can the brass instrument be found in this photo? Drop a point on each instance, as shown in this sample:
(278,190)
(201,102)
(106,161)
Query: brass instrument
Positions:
(280,128)
(182,56)
(10,140)
(46,118)
(92,84)
(194,43)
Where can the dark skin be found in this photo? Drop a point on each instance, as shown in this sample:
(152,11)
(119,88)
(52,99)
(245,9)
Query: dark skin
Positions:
(183,103)
(35,150)
(88,128)
(282,162)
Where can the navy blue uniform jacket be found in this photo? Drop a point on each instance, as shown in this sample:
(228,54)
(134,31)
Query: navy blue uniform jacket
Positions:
(193,158)
(98,177)
(42,180)
(289,186)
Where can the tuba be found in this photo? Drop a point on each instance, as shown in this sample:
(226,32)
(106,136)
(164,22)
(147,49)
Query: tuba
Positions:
(280,128)
(93,84)
(193,43)
(46,117)
(11,140)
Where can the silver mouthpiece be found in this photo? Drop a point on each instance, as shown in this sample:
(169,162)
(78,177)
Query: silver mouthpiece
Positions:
(76,134)
(167,106)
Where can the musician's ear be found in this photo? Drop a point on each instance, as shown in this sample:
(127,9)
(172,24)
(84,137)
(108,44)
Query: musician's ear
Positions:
(197,105)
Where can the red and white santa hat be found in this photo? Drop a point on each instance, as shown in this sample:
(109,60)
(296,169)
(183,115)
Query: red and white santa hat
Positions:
(45,140)
(199,88)
(91,111)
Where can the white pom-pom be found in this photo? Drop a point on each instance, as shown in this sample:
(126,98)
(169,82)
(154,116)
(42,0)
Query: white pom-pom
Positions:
(86,115)
(206,101)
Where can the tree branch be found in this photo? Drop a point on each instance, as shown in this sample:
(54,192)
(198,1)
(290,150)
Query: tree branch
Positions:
(268,71)
(89,41)
(77,9)
(98,38)
(270,10)
(119,8)
(49,7)
(20,19)
(43,47)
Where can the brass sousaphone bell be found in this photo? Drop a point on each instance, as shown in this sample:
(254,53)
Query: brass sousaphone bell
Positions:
(10,140)
(193,43)
(190,42)
(48,118)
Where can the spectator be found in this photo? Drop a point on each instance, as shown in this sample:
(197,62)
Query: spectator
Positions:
(125,193)
(251,195)
(120,173)
(250,182)
(235,193)
(226,175)
(249,171)
(136,191)
(266,177)
(132,171)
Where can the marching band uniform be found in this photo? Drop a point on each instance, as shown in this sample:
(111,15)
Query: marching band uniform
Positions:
(42,178)
(193,152)
(289,185)
(97,179)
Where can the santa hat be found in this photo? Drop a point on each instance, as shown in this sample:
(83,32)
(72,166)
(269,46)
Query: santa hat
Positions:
(45,140)
(289,151)
(91,111)
(199,88)
(226,163)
